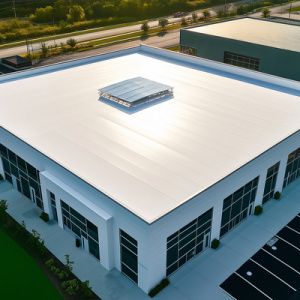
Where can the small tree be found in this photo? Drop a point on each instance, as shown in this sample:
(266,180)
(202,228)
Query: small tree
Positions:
(163,23)
(266,13)
(69,263)
(194,17)
(183,21)
(241,9)
(145,27)
(223,12)
(71,42)
(206,14)
(44,49)
(76,13)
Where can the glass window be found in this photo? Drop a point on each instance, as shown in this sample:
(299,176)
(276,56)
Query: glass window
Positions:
(92,230)
(292,169)
(3,151)
(16,166)
(77,215)
(172,255)
(81,227)
(31,171)
(21,164)
(94,248)
(270,183)
(129,273)
(6,166)
(241,61)
(233,211)
(129,259)
(184,244)
(129,238)
(12,157)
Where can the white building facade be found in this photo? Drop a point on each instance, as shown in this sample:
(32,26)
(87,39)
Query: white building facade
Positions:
(163,195)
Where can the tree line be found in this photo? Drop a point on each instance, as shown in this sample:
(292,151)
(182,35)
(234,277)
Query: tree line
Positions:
(77,10)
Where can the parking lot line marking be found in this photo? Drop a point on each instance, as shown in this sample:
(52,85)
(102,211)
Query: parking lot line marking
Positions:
(287,242)
(253,286)
(227,293)
(292,229)
(281,261)
(273,274)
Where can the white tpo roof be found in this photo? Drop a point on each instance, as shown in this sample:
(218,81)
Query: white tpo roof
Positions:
(256,31)
(156,159)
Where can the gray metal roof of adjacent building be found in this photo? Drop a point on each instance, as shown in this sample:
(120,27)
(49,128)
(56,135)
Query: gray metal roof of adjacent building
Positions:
(257,31)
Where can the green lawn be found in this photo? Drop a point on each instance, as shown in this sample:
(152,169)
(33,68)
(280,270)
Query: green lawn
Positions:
(20,276)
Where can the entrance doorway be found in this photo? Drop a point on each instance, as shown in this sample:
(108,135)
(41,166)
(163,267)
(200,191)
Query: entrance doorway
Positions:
(206,240)
(250,209)
(14,181)
(85,244)
(32,195)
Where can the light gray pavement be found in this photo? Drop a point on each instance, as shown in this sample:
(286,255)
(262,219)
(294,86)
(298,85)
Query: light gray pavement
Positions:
(198,279)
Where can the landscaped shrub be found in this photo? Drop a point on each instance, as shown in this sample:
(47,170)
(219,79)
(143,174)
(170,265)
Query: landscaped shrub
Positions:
(165,282)
(3,208)
(277,195)
(215,244)
(1,177)
(71,42)
(258,210)
(69,264)
(10,225)
(55,270)
(44,216)
(62,275)
(35,243)
(86,290)
(49,263)
(70,286)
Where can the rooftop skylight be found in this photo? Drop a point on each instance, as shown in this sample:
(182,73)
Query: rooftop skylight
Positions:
(135,92)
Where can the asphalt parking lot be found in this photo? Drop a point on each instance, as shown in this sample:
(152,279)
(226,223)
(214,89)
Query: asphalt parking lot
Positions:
(271,273)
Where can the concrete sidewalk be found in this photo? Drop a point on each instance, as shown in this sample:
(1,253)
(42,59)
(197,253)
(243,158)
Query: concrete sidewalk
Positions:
(198,279)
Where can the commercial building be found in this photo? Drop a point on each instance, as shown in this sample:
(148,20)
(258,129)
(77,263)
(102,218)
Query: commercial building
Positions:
(146,155)
(265,45)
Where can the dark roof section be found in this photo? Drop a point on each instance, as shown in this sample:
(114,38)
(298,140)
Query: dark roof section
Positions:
(5,70)
(16,62)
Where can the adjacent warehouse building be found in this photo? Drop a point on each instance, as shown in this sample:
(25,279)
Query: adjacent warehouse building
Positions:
(263,45)
(146,155)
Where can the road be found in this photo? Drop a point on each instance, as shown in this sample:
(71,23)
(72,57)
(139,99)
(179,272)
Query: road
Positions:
(167,40)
